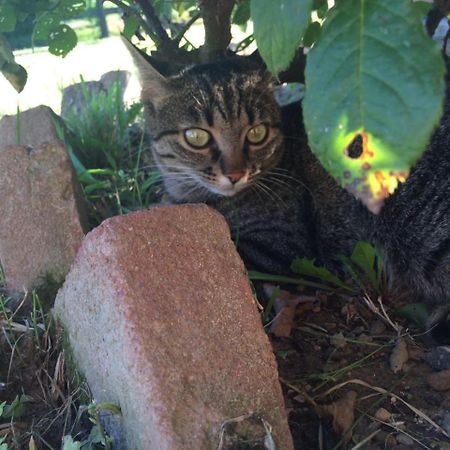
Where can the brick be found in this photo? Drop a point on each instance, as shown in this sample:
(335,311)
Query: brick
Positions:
(41,219)
(162,321)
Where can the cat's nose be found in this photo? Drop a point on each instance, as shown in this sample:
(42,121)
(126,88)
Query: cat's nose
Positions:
(234,177)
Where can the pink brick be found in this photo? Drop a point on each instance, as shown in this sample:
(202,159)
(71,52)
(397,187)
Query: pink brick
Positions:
(162,321)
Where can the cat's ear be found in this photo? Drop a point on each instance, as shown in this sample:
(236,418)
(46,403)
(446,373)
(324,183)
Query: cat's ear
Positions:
(155,86)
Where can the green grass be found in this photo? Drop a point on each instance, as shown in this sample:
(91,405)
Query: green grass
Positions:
(108,149)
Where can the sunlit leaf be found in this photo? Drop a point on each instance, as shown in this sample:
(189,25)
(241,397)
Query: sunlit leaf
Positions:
(71,8)
(46,22)
(131,26)
(374,91)
(278,28)
(62,40)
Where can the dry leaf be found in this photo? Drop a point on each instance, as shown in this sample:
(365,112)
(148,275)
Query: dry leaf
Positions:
(439,381)
(399,355)
(342,412)
(285,306)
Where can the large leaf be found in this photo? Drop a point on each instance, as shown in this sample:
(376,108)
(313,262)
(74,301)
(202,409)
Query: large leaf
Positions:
(278,28)
(374,90)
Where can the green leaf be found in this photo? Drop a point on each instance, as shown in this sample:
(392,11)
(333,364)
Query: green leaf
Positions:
(46,22)
(131,26)
(70,444)
(307,267)
(15,74)
(278,28)
(62,40)
(414,312)
(241,13)
(364,256)
(17,408)
(70,8)
(311,34)
(372,77)
(8,18)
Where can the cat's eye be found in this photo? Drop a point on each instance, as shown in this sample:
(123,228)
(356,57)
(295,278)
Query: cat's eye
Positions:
(196,137)
(257,134)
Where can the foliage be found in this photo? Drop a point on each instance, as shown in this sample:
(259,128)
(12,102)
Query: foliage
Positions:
(107,146)
(372,74)
(364,271)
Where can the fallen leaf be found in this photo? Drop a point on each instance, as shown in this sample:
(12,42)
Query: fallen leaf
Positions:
(342,412)
(439,381)
(399,355)
(285,306)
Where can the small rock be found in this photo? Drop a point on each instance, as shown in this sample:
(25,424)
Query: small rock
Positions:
(383,414)
(377,327)
(404,439)
(439,381)
(358,330)
(338,340)
(399,355)
(390,441)
(438,358)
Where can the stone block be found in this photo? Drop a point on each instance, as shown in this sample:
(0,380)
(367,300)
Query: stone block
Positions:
(41,220)
(162,321)
(34,126)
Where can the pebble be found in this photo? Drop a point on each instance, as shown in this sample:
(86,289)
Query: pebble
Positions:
(383,414)
(338,340)
(404,439)
(438,358)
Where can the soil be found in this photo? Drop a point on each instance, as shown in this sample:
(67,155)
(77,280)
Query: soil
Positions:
(335,346)
(315,359)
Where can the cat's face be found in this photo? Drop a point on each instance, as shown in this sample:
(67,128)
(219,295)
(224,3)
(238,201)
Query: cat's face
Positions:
(215,129)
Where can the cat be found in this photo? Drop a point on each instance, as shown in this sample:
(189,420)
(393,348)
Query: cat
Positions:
(219,137)
(413,231)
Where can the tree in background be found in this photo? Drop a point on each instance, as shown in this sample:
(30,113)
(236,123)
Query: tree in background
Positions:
(374,78)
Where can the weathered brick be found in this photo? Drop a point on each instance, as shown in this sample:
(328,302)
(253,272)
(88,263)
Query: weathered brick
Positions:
(162,321)
(41,226)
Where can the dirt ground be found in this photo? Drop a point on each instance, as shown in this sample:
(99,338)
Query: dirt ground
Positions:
(340,353)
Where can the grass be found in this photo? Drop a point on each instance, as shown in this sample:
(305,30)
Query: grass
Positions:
(41,401)
(108,148)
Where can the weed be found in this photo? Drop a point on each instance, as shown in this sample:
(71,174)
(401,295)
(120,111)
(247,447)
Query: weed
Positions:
(108,150)
(42,401)
(363,272)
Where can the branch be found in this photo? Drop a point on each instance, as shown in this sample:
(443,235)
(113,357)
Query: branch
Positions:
(217,21)
(176,40)
(163,39)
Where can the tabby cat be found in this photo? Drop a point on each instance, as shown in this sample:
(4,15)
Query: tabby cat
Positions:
(219,137)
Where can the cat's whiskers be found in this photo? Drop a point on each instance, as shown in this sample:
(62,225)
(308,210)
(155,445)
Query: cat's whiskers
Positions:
(270,192)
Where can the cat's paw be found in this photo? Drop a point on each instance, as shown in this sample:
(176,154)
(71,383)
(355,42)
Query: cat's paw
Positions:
(438,325)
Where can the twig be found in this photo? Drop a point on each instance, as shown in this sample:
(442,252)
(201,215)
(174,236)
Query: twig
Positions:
(176,40)
(306,396)
(162,37)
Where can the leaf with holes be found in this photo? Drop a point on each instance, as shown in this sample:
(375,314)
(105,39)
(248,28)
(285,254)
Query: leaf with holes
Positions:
(375,85)
(278,28)
(62,40)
